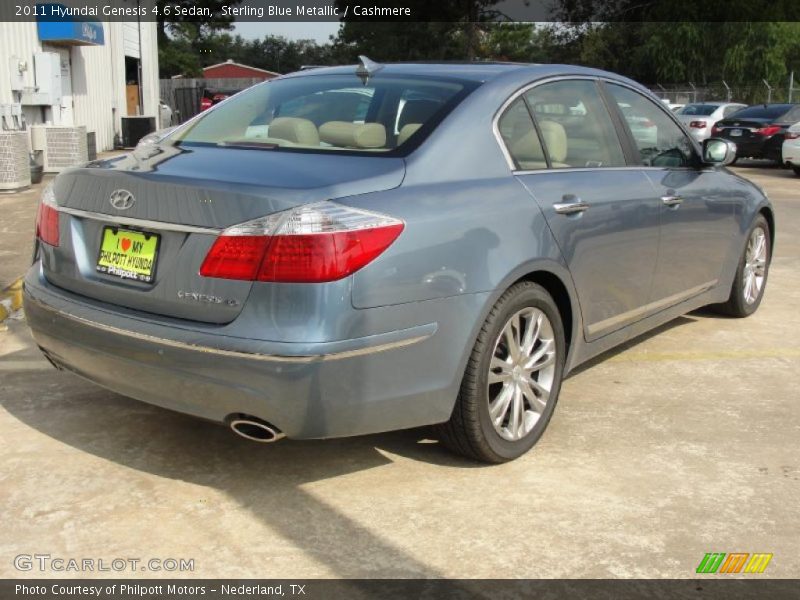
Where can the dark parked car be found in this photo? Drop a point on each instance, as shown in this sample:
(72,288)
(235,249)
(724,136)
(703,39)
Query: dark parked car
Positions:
(759,130)
(443,251)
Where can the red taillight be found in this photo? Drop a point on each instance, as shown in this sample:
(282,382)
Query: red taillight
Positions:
(716,130)
(311,244)
(772,130)
(697,124)
(47,218)
(324,256)
(792,135)
(235,257)
(47,225)
(205,103)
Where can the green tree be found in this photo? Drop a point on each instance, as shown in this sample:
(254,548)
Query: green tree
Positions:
(183,41)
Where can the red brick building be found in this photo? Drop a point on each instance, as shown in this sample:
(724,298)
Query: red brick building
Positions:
(233,70)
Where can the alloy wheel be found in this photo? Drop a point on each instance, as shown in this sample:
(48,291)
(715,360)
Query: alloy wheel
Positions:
(521,373)
(755,265)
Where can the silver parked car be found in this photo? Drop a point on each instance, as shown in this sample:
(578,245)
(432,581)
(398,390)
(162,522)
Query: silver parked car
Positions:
(700,117)
(440,248)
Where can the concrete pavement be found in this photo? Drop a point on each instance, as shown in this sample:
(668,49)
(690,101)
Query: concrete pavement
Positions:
(685,441)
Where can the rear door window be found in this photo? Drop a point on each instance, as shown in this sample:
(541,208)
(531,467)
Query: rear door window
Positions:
(576,128)
(702,110)
(520,137)
(660,141)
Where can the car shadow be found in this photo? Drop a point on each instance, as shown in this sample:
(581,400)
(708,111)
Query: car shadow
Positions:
(635,341)
(267,480)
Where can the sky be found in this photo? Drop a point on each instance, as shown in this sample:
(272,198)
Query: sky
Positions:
(318,31)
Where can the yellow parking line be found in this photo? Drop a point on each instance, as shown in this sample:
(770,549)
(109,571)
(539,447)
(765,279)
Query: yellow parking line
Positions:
(724,355)
(10,299)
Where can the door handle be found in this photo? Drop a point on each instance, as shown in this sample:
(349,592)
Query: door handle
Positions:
(572,205)
(671,200)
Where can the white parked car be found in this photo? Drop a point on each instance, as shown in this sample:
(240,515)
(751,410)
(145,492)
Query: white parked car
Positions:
(700,117)
(791,148)
(644,131)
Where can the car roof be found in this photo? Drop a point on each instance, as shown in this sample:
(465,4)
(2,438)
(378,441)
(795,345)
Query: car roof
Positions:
(473,71)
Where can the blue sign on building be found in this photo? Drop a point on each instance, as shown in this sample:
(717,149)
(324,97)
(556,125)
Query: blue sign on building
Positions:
(65,30)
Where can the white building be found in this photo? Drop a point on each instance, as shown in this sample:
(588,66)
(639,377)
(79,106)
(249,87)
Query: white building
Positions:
(74,74)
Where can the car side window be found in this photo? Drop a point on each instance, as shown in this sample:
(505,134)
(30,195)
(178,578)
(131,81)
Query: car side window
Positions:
(520,137)
(660,141)
(575,125)
(729,110)
(792,116)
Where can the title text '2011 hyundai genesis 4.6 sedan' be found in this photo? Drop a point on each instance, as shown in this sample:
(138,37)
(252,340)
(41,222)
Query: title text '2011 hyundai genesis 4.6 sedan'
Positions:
(358,249)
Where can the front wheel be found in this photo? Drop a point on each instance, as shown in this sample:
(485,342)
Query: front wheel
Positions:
(512,379)
(751,274)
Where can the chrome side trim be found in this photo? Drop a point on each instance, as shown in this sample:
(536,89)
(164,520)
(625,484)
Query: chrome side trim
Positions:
(142,223)
(617,321)
(628,168)
(305,359)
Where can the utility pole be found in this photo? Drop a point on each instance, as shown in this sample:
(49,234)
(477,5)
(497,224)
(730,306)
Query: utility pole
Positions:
(769,91)
(791,85)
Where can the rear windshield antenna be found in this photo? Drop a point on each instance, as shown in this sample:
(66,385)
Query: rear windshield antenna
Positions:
(367,69)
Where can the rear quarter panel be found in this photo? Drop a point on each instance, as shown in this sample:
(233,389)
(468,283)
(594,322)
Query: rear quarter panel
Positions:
(460,238)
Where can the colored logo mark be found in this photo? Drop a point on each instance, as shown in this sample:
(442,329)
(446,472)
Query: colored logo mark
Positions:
(735,562)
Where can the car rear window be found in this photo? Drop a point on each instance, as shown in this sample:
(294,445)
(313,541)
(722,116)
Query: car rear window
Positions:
(701,110)
(763,111)
(385,115)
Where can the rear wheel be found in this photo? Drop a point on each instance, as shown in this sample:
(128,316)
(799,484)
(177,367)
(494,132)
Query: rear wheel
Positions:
(751,274)
(512,379)
(796,171)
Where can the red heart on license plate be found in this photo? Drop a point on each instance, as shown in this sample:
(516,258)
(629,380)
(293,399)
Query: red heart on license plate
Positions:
(125,243)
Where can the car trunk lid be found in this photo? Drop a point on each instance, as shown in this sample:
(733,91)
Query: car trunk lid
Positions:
(181,199)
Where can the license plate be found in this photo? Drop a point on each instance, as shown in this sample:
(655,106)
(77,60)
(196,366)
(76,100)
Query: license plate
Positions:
(128,254)
(736,132)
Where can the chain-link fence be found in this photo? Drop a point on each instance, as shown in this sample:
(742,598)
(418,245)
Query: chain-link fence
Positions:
(719,92)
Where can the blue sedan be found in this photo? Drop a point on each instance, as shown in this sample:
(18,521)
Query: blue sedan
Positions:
(357,249)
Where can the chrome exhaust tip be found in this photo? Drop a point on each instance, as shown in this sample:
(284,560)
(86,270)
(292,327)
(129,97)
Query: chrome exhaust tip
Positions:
(255,429)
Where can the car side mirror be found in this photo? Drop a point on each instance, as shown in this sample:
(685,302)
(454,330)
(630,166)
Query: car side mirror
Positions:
(717,151)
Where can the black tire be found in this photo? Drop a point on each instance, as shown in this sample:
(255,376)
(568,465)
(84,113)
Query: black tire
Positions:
(736,305)
(470,431)
(796,171)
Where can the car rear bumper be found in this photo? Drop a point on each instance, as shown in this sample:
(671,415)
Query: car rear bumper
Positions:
(700,134)
(394,380)
(761,148)
(791,153)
